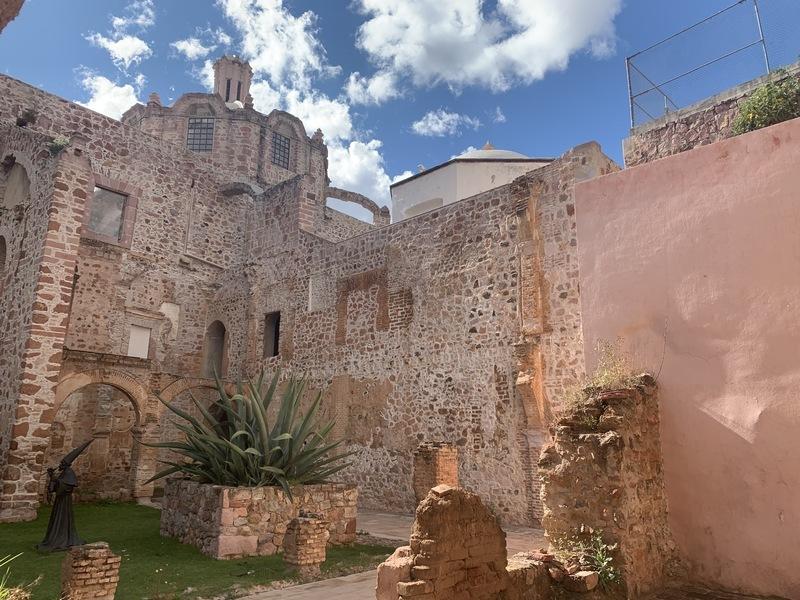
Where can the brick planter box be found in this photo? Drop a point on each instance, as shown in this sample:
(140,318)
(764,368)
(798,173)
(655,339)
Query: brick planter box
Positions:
(231,522)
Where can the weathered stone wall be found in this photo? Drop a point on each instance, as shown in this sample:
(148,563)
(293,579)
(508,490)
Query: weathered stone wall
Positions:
(700,124)
(337,226)
(225,522)
(305,543)
(9,9)
(603,473)
(460,325)
(90,572)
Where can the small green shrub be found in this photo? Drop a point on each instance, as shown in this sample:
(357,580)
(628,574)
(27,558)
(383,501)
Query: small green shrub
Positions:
(232,443)
(773,102)
(592,553)
(58,144)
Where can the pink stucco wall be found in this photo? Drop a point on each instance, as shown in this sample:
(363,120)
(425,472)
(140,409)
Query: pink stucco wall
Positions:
(694,260)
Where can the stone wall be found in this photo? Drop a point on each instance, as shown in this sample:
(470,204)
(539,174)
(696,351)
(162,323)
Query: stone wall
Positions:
(460,325)
(9,9)
(603,473)
(337,226)
(89,572)
(225,522)
(703,123)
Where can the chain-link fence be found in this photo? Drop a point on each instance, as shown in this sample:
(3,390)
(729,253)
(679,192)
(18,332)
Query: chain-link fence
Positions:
(736,44)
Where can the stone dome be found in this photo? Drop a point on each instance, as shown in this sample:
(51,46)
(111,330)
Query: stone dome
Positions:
(489,152)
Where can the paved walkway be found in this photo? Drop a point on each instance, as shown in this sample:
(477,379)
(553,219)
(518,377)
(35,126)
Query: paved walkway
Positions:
(361,586)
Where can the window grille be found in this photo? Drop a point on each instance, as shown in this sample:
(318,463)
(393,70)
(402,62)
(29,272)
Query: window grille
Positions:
(280,150)
(200,135)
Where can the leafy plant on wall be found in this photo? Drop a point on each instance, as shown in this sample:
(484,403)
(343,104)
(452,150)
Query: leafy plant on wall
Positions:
(233,444)
(773,102)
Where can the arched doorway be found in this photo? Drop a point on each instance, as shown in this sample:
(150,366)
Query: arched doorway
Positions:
(110,416)
(214,355)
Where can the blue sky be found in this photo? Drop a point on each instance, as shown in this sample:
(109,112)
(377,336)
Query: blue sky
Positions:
(397,83)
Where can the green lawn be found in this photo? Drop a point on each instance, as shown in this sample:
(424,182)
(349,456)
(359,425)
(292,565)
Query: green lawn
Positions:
(152,566)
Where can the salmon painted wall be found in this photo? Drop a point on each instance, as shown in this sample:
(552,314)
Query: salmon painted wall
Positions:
(694,260)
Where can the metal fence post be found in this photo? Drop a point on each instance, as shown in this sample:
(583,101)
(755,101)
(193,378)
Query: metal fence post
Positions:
(630,90)
(761,35)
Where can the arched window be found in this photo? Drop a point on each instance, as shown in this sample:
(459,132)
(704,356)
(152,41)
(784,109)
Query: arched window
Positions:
(214,350)
(17,186)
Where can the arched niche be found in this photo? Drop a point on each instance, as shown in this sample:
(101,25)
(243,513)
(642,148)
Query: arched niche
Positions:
(15,185)
(215,360)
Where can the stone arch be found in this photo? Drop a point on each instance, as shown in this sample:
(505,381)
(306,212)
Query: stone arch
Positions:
(177,387)
(121,380)
(282,121)
(380,214)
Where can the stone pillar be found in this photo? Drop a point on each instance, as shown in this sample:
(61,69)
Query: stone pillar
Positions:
(305,543)
(435,463)
(90,572)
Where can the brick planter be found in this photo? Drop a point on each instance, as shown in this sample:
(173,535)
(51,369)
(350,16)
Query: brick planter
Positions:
(229,522)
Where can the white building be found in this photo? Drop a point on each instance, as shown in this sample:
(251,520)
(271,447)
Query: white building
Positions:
(461,177)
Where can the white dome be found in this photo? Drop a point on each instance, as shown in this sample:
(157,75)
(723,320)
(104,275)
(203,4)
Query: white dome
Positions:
(489,152)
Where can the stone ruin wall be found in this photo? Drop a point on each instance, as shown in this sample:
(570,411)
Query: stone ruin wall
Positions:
(604,472)
(422,331)
(90,572)
(697,125)
(337,226)
(225,522)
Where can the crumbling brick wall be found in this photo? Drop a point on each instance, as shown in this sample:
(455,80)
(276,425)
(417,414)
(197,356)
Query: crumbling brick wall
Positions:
(603,473)
(305,543)
(89,572)
(435,463)
(459,549)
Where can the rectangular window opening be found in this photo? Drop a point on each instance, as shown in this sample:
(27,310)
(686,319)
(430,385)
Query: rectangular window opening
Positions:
(280,150)
(139,342)
(106,213)
(228,90)
(238,90)
(200,134)
(272,334)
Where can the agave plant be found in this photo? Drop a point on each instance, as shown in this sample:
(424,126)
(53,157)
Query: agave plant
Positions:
(233,444)
(7,592)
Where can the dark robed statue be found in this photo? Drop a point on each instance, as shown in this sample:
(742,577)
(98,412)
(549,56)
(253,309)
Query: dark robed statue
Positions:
(61,532)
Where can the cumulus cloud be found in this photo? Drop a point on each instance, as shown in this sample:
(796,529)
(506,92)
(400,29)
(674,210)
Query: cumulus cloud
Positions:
(107,97)
(440,122)
(124,47)
(126,51)
(371,90)
(288,59)
(459,43)
(192,48)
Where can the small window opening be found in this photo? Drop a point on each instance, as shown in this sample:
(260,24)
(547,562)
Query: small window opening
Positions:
(280,150)
(272,334)
(106,213)
(228,90)
(239,90)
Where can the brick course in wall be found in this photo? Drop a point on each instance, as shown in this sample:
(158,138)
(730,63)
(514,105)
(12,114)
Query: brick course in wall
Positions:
(434,464)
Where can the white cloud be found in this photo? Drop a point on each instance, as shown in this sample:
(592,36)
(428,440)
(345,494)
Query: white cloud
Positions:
(440,122)
(371,90)
(107,97)
(359,166)
(139,13)
(192,48)
(126,51)
(125,48)
(458,43)
(499,116)
(279,45)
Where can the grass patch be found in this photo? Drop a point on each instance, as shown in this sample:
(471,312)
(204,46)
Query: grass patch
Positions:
(152,566)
